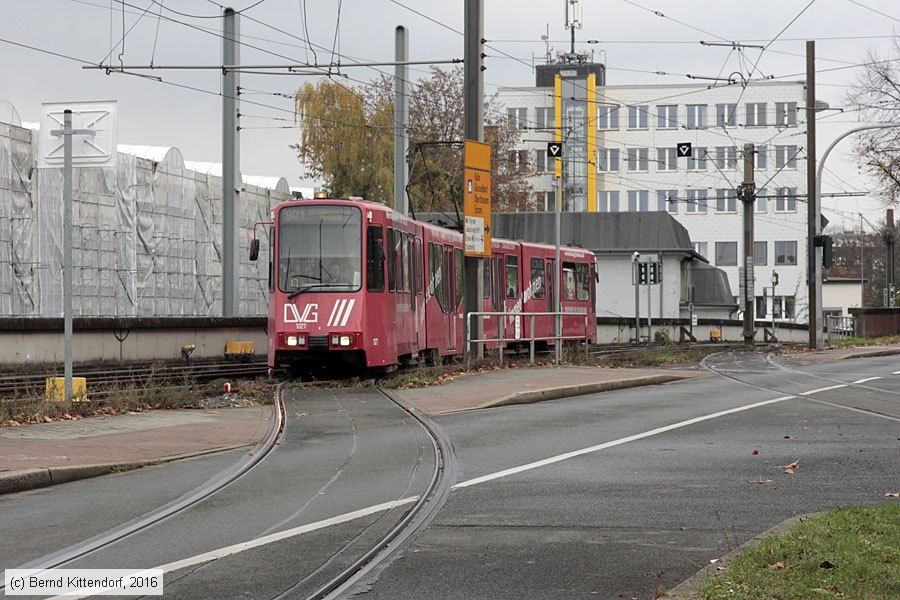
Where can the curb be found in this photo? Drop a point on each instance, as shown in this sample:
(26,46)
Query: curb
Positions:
(873,353)
(688,589)
(31,479)
(533,396)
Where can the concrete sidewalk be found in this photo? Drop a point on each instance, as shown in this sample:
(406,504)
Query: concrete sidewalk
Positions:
(42,454)
(526,385)
(38,455)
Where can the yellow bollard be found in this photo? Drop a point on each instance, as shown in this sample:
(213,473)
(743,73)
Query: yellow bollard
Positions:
(56,389)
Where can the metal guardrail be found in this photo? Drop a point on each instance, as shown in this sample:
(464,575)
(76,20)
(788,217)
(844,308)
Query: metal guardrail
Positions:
(501,340)
(839,328)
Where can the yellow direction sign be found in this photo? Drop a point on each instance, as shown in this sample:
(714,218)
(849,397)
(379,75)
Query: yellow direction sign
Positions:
(478,198)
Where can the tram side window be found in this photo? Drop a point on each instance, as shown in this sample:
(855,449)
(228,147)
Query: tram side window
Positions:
(435,285)
(402,241)
(271,259)
(512,276)
(419,264)
(458,270)
(582,282)
(568,281)
(398,260)
(375,259)
(392,277)
(537,278)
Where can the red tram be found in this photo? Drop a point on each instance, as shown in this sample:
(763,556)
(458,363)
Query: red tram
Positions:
(354,283)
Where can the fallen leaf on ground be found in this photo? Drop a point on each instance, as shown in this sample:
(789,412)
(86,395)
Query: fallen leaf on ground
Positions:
(892,495)
(789,471)
(793,465)
(778,565)
(755,452)
(762,481)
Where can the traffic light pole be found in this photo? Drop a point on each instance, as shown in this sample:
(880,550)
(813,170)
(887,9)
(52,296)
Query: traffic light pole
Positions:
(747,193)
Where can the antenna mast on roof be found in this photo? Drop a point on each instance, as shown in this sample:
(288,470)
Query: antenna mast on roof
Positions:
(573,19)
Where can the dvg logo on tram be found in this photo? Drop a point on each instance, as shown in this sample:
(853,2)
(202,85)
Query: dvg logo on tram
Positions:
(292,315)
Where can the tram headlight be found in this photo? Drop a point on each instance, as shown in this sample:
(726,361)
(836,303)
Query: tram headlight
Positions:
(295,340)
(342,340)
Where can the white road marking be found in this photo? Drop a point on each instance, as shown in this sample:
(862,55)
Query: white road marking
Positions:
(896,373)
(618,442)
(865,380)
(824,389)
(274,537)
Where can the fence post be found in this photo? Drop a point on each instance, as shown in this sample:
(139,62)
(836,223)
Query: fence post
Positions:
(467,335)
(501,330)
(587,325)
(531,328)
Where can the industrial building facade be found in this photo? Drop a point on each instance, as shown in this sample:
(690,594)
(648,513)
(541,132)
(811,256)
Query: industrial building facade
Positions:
(620,154)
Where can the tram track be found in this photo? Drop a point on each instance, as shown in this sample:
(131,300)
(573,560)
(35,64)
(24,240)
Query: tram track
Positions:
(249,461)
(413,522)
(807,395)
(103,381)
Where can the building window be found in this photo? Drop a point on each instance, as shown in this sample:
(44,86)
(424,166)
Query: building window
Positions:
(696,201)
(518,117)
(761,308)
(726,115)
(638,200)
(726,157)
(696,115)
(786,113)
(759,158)
(667,200)
(608,201)
(608,160)
(786,199)
(638,159)
(608,117)
(786,253)
(637,116)
(667,116)
(726,201)
(544,118)
(786,157)
(756,114)
(726,254)
(666,159)
(547,200)
(760,254)
(761,200)
(701,248)
(540,161)
(697,160)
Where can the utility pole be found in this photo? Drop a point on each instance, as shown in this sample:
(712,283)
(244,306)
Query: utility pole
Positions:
(813,210)
(401,118)
(231,164)
(889,263)
(747,193)
(635,267)
(474,130)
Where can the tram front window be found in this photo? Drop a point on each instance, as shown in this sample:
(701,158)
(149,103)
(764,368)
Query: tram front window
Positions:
(319,249)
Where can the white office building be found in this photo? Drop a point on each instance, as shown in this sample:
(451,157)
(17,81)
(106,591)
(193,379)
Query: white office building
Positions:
(620,155)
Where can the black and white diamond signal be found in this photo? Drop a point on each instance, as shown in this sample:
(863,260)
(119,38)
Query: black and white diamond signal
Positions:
(554,149)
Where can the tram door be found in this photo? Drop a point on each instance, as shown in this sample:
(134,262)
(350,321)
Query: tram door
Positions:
(449,296)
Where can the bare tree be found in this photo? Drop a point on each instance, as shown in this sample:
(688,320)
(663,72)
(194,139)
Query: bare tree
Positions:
(877,94)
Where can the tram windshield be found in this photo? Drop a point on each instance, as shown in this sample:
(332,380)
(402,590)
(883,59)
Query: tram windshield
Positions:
(319,248)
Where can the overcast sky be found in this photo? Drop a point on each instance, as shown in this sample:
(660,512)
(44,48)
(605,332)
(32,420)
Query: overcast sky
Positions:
(633,40)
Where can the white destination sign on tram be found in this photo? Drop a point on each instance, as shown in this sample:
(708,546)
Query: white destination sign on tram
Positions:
(474,234)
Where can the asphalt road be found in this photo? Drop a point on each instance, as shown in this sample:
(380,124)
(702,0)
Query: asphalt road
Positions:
(613,495)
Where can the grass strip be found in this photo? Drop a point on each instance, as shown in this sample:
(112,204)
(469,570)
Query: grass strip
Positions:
(847,553)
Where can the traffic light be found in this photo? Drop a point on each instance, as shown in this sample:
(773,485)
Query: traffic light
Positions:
(826,243)
(828,252)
